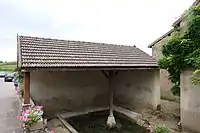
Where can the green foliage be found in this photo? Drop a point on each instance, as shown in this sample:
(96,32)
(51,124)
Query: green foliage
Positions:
(7,66)
(196,77)
(22,92)
(20,77)
(9,63)
(31,116)
(171,60)
(161,129)
(176,89)
(182,49)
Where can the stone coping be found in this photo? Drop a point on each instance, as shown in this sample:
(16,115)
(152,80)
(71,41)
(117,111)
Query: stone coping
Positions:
(69,114)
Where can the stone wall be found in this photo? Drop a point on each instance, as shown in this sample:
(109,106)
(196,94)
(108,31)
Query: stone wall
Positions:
(73,91)
(165,83)
(157,48)
(137,90)
(190,102)
(165,86)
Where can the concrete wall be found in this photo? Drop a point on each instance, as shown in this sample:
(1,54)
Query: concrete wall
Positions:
(79,90)
(165,86)
(137,90)
(69,90)
(190,102)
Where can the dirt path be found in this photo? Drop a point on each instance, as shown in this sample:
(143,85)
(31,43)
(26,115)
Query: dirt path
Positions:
(168,116)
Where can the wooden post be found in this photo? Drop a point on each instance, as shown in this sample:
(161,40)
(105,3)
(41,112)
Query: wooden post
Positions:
(27,88)
(110,78)
(111,119)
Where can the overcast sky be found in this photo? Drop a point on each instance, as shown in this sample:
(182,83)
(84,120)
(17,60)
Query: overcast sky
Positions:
(127,22)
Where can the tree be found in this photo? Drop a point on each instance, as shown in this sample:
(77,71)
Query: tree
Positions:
(196,77)
(182,49)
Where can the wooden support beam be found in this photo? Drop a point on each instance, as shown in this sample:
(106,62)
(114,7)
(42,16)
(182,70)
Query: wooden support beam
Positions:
(105,74)
(111,123)
(110,74)
(110,83)
(36,69)
(27,88)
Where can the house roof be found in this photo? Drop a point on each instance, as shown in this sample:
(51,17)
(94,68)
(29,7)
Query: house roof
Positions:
(197,2)
(160,38)
(39,52)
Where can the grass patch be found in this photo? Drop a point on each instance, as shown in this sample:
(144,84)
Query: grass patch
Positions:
(162,129)
(8,66)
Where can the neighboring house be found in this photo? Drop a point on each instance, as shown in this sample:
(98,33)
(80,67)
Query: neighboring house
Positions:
(189,98)
(76,75)
(165,83)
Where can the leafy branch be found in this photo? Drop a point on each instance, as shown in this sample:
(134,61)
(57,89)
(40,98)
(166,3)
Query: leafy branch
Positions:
(182,50)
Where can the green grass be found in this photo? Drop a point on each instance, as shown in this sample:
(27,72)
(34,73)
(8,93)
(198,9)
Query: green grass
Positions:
(8,66)
(162,129)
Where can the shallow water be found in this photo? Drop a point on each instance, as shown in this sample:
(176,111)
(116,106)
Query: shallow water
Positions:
(96,123)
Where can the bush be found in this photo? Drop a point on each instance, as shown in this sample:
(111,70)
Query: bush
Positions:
(22,92)
(182,49)
(196,77)
(175,90)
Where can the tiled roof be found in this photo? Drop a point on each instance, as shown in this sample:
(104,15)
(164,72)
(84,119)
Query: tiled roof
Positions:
(46,52)
(182,17)
(178,21)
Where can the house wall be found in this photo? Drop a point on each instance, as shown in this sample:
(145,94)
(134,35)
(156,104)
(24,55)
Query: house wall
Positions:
(165,83)
(190,102)
(157,48)
(73,91)
(137,90)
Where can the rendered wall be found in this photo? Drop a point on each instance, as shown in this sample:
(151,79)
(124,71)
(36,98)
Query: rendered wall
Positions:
(165,83)
(73,91)
(190,102)
(137,90)
(58,91)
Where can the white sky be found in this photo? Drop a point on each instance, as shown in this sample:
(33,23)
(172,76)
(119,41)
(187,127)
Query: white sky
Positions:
(128,22)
